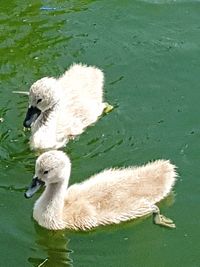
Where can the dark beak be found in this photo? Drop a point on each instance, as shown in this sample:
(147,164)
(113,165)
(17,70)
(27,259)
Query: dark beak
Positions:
(32,114)
(34,187)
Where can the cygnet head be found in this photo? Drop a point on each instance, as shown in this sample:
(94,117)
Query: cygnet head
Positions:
(43,95)
(51,167)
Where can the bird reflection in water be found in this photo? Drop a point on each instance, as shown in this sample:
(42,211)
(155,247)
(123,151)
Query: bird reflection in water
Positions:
(55,245)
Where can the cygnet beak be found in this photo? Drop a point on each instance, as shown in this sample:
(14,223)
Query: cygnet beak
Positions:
(32,114)
(33,187)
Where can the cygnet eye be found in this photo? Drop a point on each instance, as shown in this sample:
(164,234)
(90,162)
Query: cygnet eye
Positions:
(39,100)
(45,172)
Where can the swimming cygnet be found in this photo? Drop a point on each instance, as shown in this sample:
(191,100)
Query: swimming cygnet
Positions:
(62,108)
(109,197)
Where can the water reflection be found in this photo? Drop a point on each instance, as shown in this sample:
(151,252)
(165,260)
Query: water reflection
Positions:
(55,244)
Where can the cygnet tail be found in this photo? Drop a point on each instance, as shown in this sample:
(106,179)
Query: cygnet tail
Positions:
(167,173)
(160,179)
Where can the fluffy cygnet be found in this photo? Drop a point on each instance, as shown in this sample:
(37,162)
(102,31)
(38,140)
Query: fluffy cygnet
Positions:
(109,197)
(62,108)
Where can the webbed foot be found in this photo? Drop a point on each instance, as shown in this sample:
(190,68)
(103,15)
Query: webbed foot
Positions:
(108,108)
(162,220)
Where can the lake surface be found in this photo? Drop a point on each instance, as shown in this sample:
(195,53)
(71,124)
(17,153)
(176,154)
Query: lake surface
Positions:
(150,53)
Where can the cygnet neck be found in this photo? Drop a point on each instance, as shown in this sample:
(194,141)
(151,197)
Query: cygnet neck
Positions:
(57,191)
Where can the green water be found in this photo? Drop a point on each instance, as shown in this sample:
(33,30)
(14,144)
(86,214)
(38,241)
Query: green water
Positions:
(149,51)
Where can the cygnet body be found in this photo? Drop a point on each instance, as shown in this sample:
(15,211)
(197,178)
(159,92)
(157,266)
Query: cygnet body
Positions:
(62,108)
(109,197)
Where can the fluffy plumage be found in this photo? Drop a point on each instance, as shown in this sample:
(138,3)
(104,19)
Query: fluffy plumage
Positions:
(64,106)
(111,196)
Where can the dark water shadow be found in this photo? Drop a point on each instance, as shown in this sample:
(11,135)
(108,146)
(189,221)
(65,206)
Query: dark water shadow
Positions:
(55,245)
